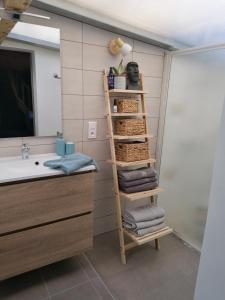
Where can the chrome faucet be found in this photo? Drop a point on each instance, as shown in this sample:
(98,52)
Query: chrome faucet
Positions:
(25,149)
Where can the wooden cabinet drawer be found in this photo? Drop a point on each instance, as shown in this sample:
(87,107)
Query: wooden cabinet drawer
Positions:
(30,249)
(29,204)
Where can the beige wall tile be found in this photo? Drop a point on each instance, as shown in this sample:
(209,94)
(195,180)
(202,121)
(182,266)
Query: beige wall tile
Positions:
(153,147)
(103,189)
(105,224)
(71,30)
(72,81)
(99,150)
(153,86)
(97,36)
(147,48)
(93,83)
(153,106)
(153,124)
(104,207)
(71,54)
(33,141)
(149,65)
(10,142)
(105,171)
(98,58)
(73,130)
(101,129)
(41,149)
(94,107)
(10,151)
(72,107)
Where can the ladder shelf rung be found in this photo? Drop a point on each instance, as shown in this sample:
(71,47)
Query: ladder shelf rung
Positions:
(130,137)
(129,114)
(140,240)
(134,92)
(132,163)
(141,195)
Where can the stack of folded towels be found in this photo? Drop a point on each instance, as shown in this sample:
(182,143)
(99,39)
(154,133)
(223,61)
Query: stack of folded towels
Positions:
(144,219)
(139,180)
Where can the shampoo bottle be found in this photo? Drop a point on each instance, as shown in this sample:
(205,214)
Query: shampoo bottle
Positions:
(60,145)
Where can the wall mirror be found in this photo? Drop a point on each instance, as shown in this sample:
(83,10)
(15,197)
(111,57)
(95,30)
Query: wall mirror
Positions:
(30,87)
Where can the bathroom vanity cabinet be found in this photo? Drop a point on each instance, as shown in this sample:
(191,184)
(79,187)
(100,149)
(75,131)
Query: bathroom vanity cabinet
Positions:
(43,221)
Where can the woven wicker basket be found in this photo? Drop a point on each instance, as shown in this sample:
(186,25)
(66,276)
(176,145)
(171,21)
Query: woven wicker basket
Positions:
(127,106)
(130,127)
(132,151)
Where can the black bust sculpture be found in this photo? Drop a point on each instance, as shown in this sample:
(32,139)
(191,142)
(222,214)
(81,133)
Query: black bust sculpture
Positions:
(133,80)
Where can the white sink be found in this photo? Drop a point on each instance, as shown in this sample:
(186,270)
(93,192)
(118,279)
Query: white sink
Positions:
(16,168)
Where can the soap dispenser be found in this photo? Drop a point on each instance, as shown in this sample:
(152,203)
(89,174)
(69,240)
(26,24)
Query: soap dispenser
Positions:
(60,145)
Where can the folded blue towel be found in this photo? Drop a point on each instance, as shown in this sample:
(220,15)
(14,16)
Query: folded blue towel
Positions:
(71,163)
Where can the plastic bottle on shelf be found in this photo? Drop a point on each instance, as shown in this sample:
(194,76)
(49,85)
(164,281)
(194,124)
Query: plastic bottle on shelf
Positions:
(111,79)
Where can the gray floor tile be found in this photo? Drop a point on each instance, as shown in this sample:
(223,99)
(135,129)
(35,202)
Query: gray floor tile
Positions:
(87,267)
(63,275)
(24,287)
(101,289)
(81,292)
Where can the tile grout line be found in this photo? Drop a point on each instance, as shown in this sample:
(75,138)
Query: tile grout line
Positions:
(98,276)
(45,284)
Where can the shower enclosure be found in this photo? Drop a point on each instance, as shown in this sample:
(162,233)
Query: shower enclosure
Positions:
(194,102)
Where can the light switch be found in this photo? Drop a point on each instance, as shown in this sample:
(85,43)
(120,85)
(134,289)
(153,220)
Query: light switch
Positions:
(92,130)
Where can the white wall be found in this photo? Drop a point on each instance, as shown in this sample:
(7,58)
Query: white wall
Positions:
(47,89)
(194,107)
(211,276)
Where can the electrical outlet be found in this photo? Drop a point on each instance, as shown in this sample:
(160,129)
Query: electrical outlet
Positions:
(92,130)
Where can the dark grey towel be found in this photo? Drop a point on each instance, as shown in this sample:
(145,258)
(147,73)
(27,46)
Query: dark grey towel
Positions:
(124,183)
(152,229)
(141,225)
(140,187)
(129,175)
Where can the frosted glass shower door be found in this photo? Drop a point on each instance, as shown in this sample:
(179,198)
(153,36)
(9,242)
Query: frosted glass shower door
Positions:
(194,106)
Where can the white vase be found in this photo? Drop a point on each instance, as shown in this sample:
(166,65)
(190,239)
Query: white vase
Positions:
(120,82)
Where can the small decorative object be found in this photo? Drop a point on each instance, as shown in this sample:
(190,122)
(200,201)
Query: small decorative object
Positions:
(133,78)
(120,76)
(70,148)
(117,46)
(111,79)
(60,145)
(115,107)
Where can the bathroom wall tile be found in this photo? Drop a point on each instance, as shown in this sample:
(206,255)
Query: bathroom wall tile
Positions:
(104,207)
(10,142)
(96,36)
(72,81)
(72,107)
(94,107)
(93,83)
(105,224)
(149,65)
(101,129)
(33,141)
(105,171)
(153,86)
(42,149)
(10,151)
(153,124)
(71,30)
(72,130)
(153,106)
(71,54)
(146,48)
(153,143)
(103,189)
(102,58)
(99,150)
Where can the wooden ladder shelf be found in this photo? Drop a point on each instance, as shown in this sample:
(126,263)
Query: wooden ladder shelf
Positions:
(119,195)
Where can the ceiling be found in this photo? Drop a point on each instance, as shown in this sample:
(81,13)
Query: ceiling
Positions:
(188,22)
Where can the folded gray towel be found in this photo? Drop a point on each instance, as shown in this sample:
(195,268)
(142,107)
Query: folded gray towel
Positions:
(152,229)
(143,213)
(136,174)
(142,225)
(125,183)
(140,187)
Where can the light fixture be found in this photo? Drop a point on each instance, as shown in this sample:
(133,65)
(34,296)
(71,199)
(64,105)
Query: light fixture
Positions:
(118,46)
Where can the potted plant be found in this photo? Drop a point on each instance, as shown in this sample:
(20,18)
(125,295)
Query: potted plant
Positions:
(120,76)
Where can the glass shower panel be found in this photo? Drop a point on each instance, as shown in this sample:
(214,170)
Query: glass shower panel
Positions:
(195,99)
